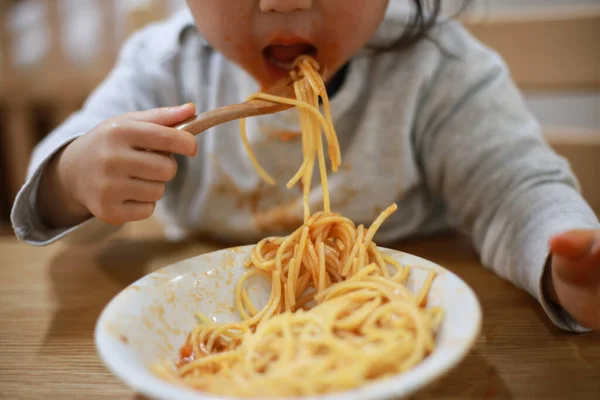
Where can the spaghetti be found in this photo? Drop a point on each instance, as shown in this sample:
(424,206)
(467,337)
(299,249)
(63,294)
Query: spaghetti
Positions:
(339,314)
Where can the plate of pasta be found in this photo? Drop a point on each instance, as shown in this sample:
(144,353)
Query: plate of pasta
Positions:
(322,312)
(217,326)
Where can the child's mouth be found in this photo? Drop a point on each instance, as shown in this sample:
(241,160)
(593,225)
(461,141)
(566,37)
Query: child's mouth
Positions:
(283,56)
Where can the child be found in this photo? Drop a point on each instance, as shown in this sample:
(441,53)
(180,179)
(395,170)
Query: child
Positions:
(429,119)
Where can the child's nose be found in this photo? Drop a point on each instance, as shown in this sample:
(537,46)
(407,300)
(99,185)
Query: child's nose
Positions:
(284,6)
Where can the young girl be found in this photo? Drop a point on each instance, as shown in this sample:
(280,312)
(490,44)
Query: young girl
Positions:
(427,117)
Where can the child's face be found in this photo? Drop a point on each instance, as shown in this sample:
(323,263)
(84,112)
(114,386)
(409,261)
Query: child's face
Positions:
(265,36)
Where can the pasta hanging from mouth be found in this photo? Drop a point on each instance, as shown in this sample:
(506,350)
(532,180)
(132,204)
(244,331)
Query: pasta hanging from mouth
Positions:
(308,88)
(339,315)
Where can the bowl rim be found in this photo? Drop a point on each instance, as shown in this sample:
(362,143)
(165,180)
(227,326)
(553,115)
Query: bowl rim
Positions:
(117,363)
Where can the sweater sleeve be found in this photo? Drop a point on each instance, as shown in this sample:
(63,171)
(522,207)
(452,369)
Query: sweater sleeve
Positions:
(482,151)
(127,88)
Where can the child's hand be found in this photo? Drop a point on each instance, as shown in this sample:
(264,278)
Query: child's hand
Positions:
(575,275)
(118,170)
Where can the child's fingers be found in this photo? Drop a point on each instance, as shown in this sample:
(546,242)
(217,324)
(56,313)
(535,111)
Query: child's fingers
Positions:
(143,191)
(576,256)
(575,244)
(153,137)
(149,166)
(596,247)
(166,116)
(129,211)
(572,271)
(137,211)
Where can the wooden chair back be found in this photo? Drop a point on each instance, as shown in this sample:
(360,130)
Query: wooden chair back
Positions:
(36,98)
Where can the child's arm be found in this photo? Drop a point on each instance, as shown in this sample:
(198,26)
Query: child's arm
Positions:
(483,152)
(108,172)
(95,164)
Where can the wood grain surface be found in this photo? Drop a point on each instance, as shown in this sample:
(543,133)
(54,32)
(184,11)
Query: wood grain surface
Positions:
(51,297)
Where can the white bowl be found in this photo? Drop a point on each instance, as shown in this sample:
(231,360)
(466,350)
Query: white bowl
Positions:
(149,321)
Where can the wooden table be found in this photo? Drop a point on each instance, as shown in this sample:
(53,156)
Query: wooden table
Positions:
(51,297)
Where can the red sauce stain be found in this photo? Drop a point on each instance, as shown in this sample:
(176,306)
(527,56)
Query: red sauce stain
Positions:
(346,167)
(244,199)
(282,219)
(124,339)
(186,354)
(490,333)
(284,136)
(187,351)
(254,198)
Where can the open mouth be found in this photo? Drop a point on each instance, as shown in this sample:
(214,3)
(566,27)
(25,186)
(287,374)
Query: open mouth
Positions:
(282,56)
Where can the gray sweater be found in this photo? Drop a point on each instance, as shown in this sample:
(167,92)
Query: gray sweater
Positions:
(440,129)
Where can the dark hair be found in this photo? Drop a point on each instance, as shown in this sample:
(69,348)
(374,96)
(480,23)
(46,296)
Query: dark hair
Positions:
(424,16)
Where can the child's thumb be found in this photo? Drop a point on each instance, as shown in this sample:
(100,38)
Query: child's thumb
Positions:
(165,116)
(575,254)
(573,245)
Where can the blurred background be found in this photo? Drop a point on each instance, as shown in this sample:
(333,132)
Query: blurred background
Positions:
(54,52)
